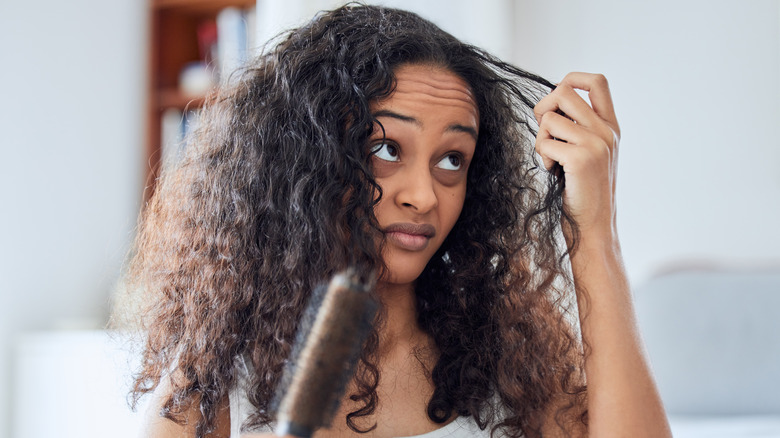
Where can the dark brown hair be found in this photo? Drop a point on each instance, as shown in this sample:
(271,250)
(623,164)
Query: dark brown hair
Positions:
(275,194)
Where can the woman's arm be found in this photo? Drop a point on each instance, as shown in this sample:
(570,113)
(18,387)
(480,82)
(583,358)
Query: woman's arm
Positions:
(622,397)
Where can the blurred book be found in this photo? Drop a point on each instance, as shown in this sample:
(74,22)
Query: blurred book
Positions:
(171,136)
(235,39)
(176,127)
(224,44)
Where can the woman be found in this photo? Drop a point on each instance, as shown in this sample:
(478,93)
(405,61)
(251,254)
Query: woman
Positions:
(371,138)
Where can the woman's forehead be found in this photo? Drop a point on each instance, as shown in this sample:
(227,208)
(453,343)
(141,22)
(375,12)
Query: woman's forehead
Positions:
(431,87)
(436,81)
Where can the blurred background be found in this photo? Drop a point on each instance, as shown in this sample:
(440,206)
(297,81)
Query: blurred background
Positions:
(92,88)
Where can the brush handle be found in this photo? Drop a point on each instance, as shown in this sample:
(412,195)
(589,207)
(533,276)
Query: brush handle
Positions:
(326,362)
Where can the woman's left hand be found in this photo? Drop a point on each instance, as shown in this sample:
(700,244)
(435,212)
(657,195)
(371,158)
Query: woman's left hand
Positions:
(584,142)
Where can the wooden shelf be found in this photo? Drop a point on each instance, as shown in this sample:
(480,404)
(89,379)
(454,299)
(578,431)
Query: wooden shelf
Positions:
(173,43)
(172,97)
(201,5)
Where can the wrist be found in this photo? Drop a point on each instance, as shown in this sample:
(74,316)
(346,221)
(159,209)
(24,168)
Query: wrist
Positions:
(595,242)
(597,252)
(591,237)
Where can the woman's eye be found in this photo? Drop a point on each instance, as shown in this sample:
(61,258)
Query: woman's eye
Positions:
(451,162)
(385,151)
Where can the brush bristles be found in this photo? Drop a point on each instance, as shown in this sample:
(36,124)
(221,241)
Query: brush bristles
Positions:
(327,359)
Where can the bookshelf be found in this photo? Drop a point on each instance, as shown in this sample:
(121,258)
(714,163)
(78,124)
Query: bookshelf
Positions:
(182,33)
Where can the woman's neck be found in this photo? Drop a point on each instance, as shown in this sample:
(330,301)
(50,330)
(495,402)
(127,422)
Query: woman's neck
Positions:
(400,328)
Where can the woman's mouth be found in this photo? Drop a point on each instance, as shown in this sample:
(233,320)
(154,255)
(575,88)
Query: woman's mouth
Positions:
(411,237)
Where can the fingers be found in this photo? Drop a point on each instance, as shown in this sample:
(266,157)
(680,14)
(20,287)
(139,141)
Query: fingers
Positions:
(573,159)
(598,92)
(600,117)
(560,127)
(566,99)
(566,142)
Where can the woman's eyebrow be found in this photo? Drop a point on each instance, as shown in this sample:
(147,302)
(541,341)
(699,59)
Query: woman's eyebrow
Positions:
(455,127)
(395,115)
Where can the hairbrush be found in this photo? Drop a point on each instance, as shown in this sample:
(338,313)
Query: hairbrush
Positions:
(325,354)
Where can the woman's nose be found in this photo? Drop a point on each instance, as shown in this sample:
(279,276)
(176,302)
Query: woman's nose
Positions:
(417,191)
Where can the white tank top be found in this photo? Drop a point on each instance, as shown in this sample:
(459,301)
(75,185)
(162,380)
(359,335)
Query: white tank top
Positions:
(241,409)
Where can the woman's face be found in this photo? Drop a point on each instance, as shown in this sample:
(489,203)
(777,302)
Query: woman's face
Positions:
(421,161)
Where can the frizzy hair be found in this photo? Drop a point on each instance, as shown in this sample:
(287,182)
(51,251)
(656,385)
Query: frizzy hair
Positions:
(275,193)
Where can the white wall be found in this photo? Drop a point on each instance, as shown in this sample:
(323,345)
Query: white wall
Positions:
(85,395)
(70,169)
(488,26)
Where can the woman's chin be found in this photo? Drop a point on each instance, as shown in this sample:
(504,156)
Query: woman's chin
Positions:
(403,267)
(399,277)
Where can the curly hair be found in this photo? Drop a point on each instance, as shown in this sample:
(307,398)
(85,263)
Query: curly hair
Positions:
(239,233)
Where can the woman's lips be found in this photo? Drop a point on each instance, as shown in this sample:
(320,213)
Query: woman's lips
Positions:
(411,237)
